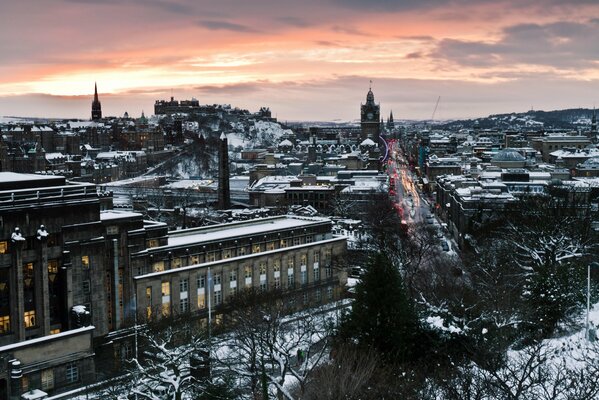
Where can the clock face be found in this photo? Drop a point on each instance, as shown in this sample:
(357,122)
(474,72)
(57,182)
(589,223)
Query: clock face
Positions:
(369,115)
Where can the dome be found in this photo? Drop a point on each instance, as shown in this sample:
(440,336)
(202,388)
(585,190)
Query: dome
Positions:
(367,142)
(286,143)
(508,155)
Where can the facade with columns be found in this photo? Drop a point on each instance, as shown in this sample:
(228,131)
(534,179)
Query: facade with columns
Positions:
(75,276)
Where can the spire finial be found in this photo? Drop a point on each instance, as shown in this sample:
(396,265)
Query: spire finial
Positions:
(370,87)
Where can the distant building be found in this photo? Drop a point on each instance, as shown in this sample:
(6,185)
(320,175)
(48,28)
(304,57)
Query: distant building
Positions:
(370,118)
(96,106)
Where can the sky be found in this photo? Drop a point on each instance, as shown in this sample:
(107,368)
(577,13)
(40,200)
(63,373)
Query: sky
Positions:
(306,60)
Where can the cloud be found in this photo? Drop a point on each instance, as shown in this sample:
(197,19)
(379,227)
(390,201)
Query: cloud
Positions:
(350,31)
(294,21)
(216,25)
(562,45)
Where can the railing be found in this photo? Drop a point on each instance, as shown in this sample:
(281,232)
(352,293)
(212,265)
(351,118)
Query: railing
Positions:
(40,195)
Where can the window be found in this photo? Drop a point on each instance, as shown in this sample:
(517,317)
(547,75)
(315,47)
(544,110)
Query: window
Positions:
(201,300)
(296,241)
(316,257)
(271,246)
(329,272)
(283,242)
(329,292)
(248,271)
(277,282)
(47,379)
(153,243)
(184,305)
(256,248)
(309,238)
(290,279)
(72,372)
(29,317)
(303,259)
(226,254)
(211,256)
(176,262)
(3,247)
(290,263)
(183,285)
(218,297)
(276,266)
(316,273)
(262,267)
(242,251)
(4,324)
(201,281)
(85,286)
(166,289)
(217,279)
(85,262)
(52,266)
(195,259)
(54,331)
(304,277)
(318,296)
(149,302)
(158,266)
(233,276)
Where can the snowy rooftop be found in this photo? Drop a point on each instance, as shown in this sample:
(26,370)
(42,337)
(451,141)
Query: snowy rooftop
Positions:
(238,229)
(117,214)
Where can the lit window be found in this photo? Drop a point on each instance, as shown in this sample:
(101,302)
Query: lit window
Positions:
(303,259)
(256,248)
(72,372)
(54,331)
(47,379)
(153,243)
(52,266)
(276,266)
(271,245)
(3,247)
(176,263)
(248,271)
(4,324)
(201,300)
(283,242)
(195,259)
(158,266)
(29,317)
(262,267)
(85,261)
(242,251)
(166,289)
(226,254)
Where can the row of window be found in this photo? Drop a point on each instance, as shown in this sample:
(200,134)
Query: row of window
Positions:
(47,378)
(177,262)
(224,254)
(233,286)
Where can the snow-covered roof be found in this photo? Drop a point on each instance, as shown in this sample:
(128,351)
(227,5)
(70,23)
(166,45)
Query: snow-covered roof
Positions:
(245,228)
(367,142)
(117,214)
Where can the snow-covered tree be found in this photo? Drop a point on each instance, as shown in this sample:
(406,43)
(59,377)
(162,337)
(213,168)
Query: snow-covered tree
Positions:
(267,349)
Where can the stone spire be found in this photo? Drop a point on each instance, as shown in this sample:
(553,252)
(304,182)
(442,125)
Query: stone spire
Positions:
(96,105)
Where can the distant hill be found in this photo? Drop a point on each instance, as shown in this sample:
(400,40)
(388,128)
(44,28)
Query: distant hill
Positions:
(573,118)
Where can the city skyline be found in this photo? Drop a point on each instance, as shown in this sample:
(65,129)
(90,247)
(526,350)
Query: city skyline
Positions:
(306,61)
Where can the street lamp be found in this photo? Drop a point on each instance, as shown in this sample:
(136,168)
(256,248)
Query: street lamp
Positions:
(593,264)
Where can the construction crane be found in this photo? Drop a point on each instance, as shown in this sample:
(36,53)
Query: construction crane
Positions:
(435,110)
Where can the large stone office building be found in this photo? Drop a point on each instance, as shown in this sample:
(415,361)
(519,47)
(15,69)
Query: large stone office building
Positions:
(74,274)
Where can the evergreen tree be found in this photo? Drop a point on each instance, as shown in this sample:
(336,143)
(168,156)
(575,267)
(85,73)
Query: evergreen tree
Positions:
(382,317)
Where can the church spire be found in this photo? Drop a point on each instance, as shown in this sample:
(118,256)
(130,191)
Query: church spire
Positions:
(96,105)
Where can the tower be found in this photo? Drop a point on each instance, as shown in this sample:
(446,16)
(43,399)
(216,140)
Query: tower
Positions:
(370,117)
(224,195)
(594,125)
(96,106)
(390,123)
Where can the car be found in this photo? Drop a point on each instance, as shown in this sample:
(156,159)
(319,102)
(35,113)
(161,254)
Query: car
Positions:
(444,246)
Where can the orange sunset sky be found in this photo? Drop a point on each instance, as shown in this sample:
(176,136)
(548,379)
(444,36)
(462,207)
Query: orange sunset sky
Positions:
(305,59)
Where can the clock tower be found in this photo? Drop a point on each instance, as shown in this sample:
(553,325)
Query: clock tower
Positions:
(370,118)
